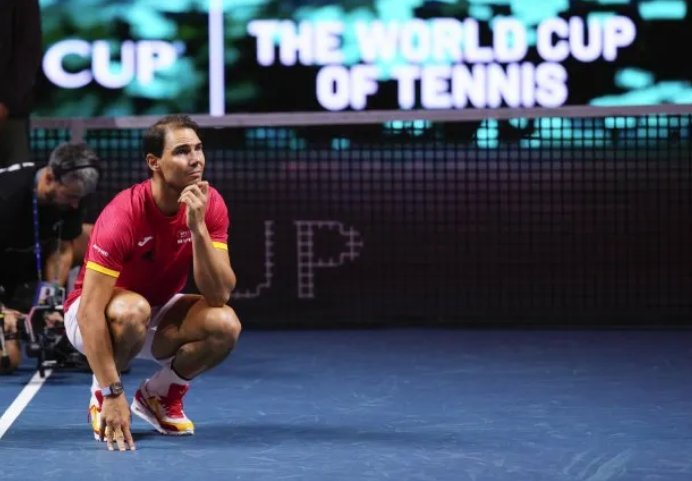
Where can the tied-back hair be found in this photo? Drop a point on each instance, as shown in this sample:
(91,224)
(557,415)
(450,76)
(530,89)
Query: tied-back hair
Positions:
(154,140)
(76,164)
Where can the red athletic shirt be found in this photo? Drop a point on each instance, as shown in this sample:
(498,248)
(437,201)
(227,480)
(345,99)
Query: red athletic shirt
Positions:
(148,252)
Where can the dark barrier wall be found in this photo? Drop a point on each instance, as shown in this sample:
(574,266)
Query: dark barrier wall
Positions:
(448,224)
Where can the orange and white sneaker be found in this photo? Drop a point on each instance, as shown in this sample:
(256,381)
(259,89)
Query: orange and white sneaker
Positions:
(164,412)
(94,415)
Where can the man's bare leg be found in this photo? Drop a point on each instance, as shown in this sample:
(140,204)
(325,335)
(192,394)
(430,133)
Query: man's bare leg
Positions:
(192,338)
(197,335)
(128,316)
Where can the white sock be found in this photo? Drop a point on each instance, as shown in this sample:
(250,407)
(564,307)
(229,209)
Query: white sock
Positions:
(94,384)
(162,380)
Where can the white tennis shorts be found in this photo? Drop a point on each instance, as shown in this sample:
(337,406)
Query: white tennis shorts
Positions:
(157,314)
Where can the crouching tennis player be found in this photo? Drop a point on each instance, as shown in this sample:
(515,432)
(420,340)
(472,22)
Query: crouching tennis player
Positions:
(127,301)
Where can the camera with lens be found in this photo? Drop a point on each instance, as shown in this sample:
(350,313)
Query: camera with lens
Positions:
(43,332)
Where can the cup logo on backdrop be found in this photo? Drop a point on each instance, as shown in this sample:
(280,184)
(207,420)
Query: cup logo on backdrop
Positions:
(138,61)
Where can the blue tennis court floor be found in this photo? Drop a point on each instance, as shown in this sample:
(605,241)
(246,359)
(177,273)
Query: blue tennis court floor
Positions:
(390,405)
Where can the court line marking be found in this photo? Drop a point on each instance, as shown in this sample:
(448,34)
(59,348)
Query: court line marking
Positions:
(22,401)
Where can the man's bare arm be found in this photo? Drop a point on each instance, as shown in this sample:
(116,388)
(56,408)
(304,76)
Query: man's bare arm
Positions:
(212,270)
(96,294)
(59,263)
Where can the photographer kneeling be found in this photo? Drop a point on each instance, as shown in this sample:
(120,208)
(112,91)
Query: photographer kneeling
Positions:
(41,215)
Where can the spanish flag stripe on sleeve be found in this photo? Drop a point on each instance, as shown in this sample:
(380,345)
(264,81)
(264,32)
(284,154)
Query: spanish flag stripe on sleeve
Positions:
(103,270)
(220,245)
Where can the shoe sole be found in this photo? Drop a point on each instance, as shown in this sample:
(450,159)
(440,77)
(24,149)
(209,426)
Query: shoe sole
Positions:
(144,413)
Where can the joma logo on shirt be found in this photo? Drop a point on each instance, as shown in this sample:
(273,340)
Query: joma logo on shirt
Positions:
(100,251)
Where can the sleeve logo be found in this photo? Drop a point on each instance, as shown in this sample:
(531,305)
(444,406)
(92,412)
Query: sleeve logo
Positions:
(100,251)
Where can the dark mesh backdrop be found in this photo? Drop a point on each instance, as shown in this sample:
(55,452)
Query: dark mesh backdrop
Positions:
(547,221)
